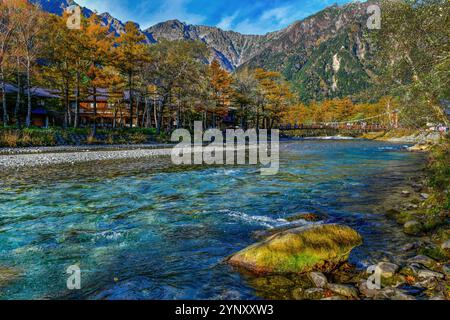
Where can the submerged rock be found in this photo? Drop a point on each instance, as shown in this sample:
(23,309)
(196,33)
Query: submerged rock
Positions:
(412,228)
(7,275)
(311,217)
(299,250)
(423,260)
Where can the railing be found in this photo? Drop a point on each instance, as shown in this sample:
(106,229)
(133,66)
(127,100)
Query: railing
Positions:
(351,127)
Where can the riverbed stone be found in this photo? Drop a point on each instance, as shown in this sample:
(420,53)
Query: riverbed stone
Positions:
(8,275)
(409,247)
(426,274)
(425,196)
(406,193)
(298,294)
(333,298)
(423,260)
(343,290)
(365,291)
(446,269)
(299,250)
(319,279)
(446,246)
(387,269)
(412,228)
(314,294)
(306,216)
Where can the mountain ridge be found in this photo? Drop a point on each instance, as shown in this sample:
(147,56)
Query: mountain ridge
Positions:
(305,52)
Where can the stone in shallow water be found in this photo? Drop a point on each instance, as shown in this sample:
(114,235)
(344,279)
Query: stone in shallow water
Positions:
(8,275)
(426,274)
(298,294)
(425,196)
(304,216)
(314,294)
(299,250)
(343,290)
(412,228)
(423,260)
(387,269)
(446,246)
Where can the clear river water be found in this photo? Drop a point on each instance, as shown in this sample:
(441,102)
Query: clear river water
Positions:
(147,230)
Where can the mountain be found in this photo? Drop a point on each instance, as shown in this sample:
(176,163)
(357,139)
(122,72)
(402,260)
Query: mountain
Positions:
(326,55)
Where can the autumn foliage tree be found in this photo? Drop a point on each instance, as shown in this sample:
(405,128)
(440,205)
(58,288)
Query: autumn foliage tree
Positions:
(131,52)
(98,45)
(222,91)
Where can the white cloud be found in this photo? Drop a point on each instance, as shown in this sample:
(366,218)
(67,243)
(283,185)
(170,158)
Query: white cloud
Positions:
(168,10)
(227,22)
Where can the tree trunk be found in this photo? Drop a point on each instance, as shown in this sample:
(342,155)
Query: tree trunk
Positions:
(77,102)
(94,127)
(3,87)
(138,105)
(145,113)
(130,98)
(18,102)
(28,121)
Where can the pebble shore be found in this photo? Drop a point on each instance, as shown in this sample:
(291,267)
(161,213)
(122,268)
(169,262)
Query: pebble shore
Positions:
(59,156)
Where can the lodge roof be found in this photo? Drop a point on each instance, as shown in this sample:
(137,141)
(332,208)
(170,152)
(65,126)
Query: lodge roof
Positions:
(35,92)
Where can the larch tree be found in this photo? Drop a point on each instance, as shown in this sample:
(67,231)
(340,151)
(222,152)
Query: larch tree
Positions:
(98,43)
(130,53)
(8,16)
(30,24)
(221,82)
(59,69)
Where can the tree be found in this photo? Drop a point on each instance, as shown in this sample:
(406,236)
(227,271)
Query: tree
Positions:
(414,55)
(98,43)
(8,20)
(274,97)
(30,24)
(130,53)
(244,95)
(221,82)
(61,59)
(174,65)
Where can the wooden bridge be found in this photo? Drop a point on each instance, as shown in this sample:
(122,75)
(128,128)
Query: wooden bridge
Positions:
(335,127)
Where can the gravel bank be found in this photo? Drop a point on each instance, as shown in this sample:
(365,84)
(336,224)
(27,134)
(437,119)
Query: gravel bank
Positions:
(45,159)
(82,148)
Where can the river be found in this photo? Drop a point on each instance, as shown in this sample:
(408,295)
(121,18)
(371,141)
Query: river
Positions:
(146,230)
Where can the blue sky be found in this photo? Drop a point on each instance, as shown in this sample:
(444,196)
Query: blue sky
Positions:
(245,16)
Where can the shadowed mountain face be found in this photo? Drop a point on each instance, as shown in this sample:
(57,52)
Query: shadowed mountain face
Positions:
(326,55)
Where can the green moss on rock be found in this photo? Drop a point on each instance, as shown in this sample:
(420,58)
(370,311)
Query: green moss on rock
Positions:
(299,250)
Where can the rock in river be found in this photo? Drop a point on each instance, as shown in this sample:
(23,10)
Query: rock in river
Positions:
(7,275)
(412,228)
(387,269)
(299,250)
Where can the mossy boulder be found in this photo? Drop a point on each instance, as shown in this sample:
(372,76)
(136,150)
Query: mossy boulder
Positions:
(299,250)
